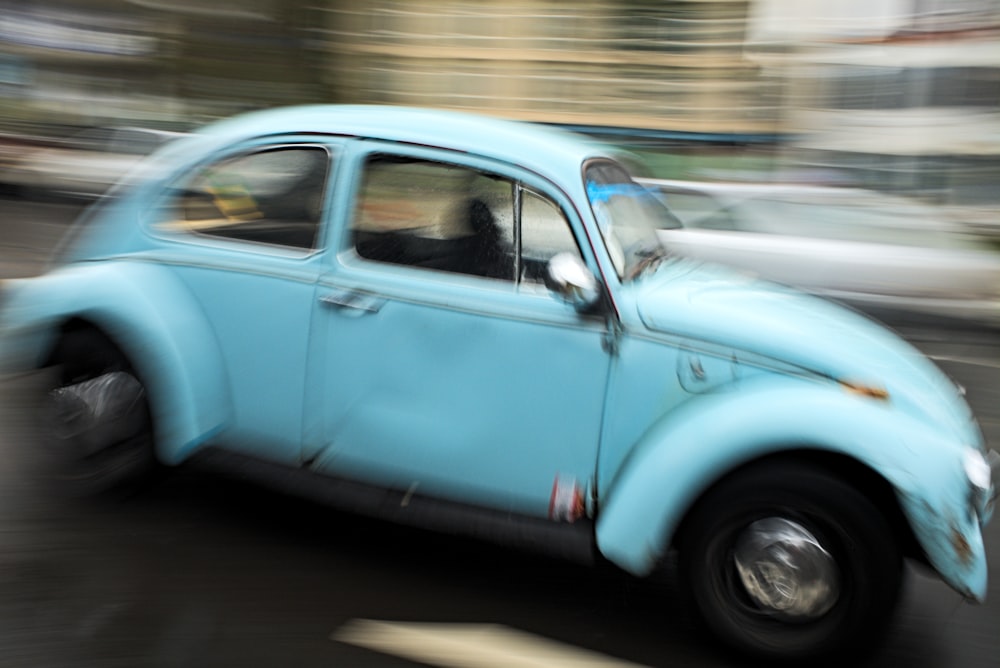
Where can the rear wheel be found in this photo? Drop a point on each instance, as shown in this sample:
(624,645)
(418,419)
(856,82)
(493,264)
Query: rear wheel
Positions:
(786,561)
(95,421)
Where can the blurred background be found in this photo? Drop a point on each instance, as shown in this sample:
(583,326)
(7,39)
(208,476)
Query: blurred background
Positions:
(894,98)
(883,116)
(899,95)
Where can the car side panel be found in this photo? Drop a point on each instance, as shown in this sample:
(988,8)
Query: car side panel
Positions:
(682,456)
(258,307)
(153,317)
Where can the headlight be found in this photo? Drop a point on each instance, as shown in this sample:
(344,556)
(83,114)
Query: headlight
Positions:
(980,469)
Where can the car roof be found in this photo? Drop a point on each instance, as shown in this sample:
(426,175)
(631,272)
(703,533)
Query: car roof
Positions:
(544,149)
(554,154)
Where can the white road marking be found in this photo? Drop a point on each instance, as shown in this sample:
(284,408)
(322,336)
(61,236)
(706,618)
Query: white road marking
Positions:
(470,646)
(971,361)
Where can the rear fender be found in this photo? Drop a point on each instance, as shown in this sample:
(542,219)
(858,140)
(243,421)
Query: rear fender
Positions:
(152,317)
(712,435)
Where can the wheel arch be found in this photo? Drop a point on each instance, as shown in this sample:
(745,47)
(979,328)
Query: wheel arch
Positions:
(912,473)
(849,469)
(150,316)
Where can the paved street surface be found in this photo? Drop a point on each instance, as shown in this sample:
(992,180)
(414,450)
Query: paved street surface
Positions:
(195,571)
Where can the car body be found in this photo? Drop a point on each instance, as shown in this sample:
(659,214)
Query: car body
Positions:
(84,165)
(469,324)
(874,251)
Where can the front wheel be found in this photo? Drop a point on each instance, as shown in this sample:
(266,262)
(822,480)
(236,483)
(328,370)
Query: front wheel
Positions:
(786,561)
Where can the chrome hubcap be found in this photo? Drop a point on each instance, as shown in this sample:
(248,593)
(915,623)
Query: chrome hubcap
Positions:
(785,570)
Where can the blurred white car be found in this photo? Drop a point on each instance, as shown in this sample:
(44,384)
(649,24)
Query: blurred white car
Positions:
(84,165)
(871,250)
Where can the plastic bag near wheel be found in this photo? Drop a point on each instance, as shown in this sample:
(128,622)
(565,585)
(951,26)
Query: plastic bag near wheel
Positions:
(786,561)
(95,421)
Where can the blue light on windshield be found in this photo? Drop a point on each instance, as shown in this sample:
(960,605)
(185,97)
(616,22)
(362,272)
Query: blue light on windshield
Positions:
(603,192)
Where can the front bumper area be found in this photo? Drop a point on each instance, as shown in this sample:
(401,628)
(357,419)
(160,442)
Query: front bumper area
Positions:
(949,528)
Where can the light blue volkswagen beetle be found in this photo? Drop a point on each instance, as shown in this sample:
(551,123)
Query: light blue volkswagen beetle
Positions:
(468,324)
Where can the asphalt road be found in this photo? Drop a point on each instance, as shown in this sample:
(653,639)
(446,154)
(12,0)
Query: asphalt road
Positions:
(197,571)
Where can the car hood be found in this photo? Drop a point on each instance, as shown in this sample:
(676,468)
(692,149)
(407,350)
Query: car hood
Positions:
(707,303)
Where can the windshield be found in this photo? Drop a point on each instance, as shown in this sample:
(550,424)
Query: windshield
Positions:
(629,216)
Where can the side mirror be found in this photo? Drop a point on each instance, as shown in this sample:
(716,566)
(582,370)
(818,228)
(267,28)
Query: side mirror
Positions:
(568,277)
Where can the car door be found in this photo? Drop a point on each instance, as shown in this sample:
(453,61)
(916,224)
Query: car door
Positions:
(243,235)
(449,369)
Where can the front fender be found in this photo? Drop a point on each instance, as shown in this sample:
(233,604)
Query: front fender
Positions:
(151,315)
(693,447)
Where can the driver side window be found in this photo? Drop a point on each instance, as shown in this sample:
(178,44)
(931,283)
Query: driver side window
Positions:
(434,216)
(446,217)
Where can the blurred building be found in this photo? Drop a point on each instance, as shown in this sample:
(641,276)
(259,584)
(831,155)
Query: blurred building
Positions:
(153,62)
(891,94)
(80,62)
(660,65)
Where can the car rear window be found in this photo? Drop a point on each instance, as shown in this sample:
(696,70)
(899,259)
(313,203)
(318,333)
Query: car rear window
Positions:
(273,197)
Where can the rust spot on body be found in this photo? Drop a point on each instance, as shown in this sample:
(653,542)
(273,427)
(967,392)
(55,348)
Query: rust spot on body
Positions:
(961,546)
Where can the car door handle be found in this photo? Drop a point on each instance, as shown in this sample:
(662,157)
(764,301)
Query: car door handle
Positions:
(353,299)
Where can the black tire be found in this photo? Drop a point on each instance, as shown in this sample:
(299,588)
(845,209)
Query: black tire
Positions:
(93,459)
(852,532)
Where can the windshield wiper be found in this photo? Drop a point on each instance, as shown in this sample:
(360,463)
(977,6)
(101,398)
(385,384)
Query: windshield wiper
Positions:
(648,259)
